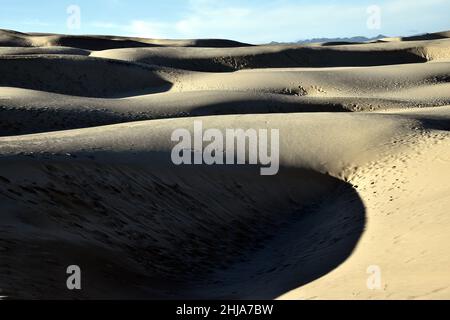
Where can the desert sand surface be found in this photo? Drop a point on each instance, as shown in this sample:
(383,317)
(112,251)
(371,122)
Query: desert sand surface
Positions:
(86,176)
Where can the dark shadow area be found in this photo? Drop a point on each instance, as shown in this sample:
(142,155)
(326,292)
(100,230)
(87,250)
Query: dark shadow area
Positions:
(340,43)
(427,36)
(218,43)
(430,121)
(170,233)
(316,241)
(257,107)
(100,43)
(325,57)
(19,120)
(80,76)
(317,57)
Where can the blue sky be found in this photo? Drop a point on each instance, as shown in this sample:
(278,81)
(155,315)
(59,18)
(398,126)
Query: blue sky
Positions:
(246,20)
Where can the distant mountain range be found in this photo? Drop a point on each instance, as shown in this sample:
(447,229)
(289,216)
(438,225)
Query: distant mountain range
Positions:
(320,40)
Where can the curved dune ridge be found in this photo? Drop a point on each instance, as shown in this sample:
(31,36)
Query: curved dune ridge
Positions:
(79,75)
(10,38)
(232,59)
(86,175)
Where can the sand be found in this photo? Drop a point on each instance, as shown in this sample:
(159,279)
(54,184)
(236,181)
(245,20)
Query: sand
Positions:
(86,176)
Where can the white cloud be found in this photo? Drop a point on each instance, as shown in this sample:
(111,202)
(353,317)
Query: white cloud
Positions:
(264,23)
(291,20)
(140,28)
(286,20)
(136,28)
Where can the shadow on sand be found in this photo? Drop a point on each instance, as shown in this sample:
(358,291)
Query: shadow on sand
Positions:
(171,233)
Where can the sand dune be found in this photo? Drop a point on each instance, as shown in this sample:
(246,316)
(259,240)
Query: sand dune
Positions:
(25,51)
(9,38)
(206,93)
(285,56)
(428,36)
(79,75)
(86,175)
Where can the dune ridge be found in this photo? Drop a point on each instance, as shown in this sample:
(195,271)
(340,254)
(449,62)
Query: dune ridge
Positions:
(10,38)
